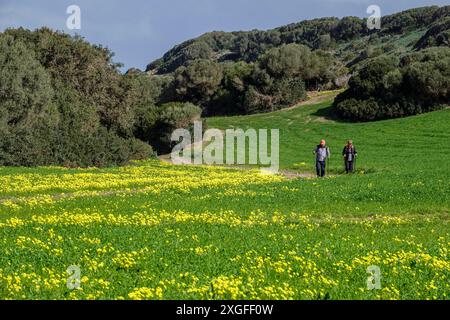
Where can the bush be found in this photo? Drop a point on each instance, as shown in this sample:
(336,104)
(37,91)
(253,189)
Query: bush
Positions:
(197,82)
(171,116)
(387,88)
(62,101)
(28,115)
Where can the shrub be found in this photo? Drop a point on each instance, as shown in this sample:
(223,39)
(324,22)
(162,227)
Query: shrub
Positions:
(387,88)
(62,101)
(171,116)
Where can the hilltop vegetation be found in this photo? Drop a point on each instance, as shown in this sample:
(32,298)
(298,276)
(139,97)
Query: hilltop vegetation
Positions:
(386,147)
(323,33)
(280,77)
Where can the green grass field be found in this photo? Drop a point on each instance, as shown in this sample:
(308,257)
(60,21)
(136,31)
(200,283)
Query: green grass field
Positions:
(152,230)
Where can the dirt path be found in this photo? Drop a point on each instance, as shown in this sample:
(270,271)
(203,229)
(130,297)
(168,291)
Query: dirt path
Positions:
(314,97)
(286,173)
(291,175)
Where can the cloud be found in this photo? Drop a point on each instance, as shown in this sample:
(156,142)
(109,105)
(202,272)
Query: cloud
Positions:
(16,14)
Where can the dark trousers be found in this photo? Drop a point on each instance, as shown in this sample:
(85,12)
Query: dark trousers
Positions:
(320,167)
(349,166)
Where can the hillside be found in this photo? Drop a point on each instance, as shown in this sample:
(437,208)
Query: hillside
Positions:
(348,38)
(64,101)
(301,129)
(228,73)
(157,231)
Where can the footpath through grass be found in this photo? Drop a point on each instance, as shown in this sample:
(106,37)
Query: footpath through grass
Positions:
(414,144)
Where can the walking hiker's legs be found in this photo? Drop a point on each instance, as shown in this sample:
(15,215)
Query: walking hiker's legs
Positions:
(350,166)
(347,166)
(322,168)
(318,168)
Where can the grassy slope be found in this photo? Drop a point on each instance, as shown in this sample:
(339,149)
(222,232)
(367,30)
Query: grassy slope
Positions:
(157,231)
(399,158)
(413,144)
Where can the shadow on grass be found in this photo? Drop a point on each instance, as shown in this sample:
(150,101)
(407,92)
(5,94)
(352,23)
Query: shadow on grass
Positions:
(329,113)
(358,171)
(333,171)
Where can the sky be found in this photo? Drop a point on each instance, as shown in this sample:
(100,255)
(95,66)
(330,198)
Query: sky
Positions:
(140,31)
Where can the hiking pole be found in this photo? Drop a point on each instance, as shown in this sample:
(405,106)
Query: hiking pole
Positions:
(315,163)
(327,167)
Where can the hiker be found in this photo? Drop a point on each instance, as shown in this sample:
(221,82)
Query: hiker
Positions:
(322,153)
(349,154)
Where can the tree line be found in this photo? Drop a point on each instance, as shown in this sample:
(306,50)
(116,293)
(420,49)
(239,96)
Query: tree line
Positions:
(64,101)
(280,77)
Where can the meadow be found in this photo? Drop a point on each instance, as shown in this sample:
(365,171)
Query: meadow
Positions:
(152,230)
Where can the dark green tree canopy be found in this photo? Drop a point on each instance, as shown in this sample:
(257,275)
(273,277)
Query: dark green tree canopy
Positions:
(64,101)
(388,87)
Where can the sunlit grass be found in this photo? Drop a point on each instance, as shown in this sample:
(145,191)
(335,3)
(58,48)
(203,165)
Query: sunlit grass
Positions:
(157,231)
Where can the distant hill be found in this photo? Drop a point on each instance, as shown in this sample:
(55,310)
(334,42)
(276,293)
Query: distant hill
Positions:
(261,71)
(348,39)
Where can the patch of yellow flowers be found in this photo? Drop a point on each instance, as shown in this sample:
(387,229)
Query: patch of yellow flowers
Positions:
(291,272)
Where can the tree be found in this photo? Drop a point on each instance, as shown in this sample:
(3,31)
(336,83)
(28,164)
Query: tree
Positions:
(428,74)
(348,28)
(63,101)
(27,113)
(198,81)
(228,99)
(437,35)
(386,88)
(368,81)
(172,116)
(290,60)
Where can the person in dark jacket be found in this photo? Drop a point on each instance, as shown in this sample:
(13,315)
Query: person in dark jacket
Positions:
(349,154)
(322,153)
